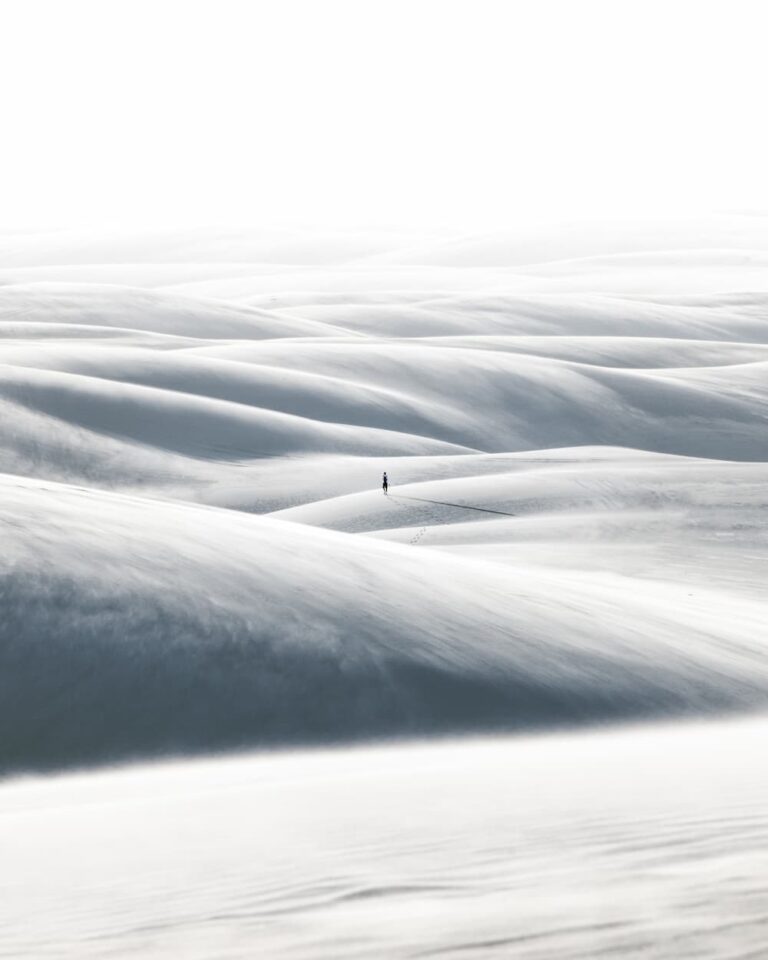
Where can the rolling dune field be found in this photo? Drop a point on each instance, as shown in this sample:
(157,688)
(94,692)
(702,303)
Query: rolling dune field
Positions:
(515,707)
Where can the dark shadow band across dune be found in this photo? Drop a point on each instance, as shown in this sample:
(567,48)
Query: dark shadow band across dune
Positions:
(458,506)
(134,628)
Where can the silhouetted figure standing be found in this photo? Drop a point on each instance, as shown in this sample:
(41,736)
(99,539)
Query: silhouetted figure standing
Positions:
(385,483)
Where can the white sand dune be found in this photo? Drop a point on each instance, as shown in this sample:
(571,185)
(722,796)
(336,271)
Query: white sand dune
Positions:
(733,316)
(97,406)
(499,401)
(167,627)
(60,413)
(568,484)
(111,306)
(198,557)
(635,843)
(621,351)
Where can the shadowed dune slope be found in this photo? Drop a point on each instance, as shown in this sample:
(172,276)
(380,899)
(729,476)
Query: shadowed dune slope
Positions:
(134,627)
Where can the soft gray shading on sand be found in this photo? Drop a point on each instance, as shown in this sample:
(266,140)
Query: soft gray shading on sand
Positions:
(135,627)
(624,845)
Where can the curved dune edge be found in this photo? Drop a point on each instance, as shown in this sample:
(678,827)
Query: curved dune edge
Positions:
(135,627)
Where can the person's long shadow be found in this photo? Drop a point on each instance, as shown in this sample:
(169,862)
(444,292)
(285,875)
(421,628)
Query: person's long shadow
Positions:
(460,506)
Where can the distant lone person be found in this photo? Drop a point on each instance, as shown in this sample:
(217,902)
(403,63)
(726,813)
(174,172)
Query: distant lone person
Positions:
(385,483)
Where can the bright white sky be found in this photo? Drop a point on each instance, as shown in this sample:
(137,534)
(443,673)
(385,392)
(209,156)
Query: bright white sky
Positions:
(410,112)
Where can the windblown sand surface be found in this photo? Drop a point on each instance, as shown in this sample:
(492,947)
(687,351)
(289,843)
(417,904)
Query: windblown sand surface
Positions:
(197,556)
